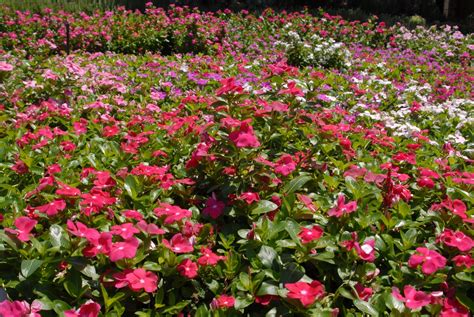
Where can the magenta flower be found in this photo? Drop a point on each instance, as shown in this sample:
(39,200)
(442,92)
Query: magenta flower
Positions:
(172,213)
(124,250)
(223,301)
(178,244)
(366,251)
(53,208)
(214,208)
(137,280)
(209,258)
(244,137)
(89,309)
(456,239)
(430,261)
(285,165)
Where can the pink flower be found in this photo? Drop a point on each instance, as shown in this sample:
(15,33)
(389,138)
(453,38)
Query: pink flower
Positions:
(214,208)
(124,250)
(89,309)
(24,226)
(149,228)
(126,230)
(366,251)
(430,260)
(306,293)
(342,208)
(285,165)
(188,268)
(223,301)
(309,235)
(172,213)
(178,244)
(306,200)
(20,167)
(20,309)
(228,86)
(456,239)
(209,258)
(413,299)
(244,136)
(53,208)
(137,280)
(463,260)
(66,190)
(81,230)
(5,67)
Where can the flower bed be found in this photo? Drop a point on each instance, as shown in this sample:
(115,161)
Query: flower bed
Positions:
(229,182)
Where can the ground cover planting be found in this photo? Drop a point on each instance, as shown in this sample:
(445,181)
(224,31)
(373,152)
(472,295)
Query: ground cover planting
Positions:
(188,163)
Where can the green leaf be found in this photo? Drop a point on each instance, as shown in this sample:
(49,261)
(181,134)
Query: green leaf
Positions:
(59,307)
(202,311)
(465,299)
(267,289)
(245,281)
(28,267)
(131,186)
(58,236)
(466,277)
(296,184)
(175,309)
(365,307)
(73,283)
(264,206)
(267,255)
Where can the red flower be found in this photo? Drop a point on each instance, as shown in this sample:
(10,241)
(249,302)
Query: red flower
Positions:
(124,250)
(430,260)
(24,226)
(291,90)
(20,167)
(19,309)
(342,208)
(214,208)
(306,293)
(413,299)
(223,301)
(307,201)
(172,213)
(89,309)
(81,230)
(456,239)
(228,86)
(126,230)
(53,208)
(96,200)
(66,190)
(188,268)
(244,136)
(265,299)
(309,235)
(209,258)
(178,244)
(137,280)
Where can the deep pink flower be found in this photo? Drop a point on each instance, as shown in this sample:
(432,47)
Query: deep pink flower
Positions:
(430,260)
(306,293)
(20,167)
(24,226)
(124,250)
(285,165)
(188,268)
(456,239)
(89,309)
(364,293)
(366,251)
(309,235)
(244,136)
(452,308)
(249,197)
(125,230)
(172,213)
(214,208)
(81,230)
(209,258)
(413,299)
(342,208)
(53,208)
(20,309)
(307,201)
(100,245)
(223,301)
(149,228)
(137,280)
(463,260)
(179,244)
(229,86)
(66,190)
